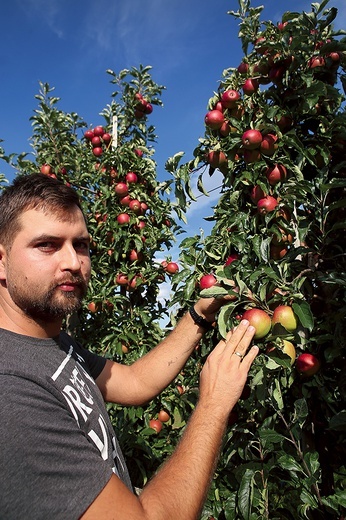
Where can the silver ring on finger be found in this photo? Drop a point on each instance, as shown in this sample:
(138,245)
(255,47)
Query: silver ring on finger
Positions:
(239,354)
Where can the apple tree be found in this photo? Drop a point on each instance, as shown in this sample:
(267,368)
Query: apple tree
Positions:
(131,221)
(276,130)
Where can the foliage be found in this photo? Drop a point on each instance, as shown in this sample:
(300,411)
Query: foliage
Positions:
(284,456)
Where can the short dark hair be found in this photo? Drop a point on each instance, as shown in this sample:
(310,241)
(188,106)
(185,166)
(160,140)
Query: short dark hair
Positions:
(34,191)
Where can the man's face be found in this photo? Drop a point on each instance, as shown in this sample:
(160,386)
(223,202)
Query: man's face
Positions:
(47,269)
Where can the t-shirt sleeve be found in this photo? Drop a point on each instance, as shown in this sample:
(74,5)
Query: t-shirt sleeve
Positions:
(94,364)
(57,471)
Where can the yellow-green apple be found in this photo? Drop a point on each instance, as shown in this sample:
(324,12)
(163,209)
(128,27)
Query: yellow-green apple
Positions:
(284,315)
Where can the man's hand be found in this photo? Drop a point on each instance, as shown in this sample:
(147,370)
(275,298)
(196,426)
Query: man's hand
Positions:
(208,307)
(225,372)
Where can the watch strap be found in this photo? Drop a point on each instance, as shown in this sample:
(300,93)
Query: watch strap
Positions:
(199,320)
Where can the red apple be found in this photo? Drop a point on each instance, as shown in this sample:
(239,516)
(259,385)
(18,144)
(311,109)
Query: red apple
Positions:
(172,268)
(268,145)
(46,169)
(218,106)
(156,425)
(121,189)
(281,25)
(284,315)
(276,173)
(229,98)
(276,73)
(287,347)
(308,364)
(97,151)
(258,319)
(148,108)
(89,134)
(163,416)
(316,61)
(334,56)
(267,204)
(232,258)
(256,194)
(99,130)
(225,129)
(283,239)
(284,122)
(250,86)
(216,159)
(123,218)
(136,256)
(94,307)
(121,279)
(206,281)
(260,44)
(251,139)
(135,206)
(96,141)
(252,156)
(243,68)
(106,138)
(131,177)
(214,119)
(180,389)
(125,201)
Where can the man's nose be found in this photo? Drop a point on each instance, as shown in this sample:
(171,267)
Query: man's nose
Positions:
(70,260)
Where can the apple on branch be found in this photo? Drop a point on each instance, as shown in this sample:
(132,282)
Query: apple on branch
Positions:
(258,319)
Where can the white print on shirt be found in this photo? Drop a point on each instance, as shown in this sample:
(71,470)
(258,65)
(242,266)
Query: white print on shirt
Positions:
(80,401)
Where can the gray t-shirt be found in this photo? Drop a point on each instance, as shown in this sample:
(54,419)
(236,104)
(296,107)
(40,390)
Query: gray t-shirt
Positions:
(57,446)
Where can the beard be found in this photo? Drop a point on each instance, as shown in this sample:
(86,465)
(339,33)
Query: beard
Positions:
(51,305)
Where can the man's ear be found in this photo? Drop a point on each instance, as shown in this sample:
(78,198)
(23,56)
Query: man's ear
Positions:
(2,262)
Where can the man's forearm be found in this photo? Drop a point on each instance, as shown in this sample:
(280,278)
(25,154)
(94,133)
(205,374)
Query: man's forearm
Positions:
(154,371)
(179,488)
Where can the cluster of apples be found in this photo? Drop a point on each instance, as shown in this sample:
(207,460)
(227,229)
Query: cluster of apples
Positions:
(143,107)
(307,364)
(157,424)
(283,319)
(138,207)
(99,139)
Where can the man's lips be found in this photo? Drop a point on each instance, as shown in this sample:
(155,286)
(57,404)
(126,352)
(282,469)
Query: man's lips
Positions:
(70,286)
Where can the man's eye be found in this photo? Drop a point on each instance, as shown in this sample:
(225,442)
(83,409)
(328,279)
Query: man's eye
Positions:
(46,246)
(82,246)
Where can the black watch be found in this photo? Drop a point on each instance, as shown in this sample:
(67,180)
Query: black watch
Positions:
(199,320)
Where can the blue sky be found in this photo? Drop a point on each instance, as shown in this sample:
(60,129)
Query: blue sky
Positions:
(70,44)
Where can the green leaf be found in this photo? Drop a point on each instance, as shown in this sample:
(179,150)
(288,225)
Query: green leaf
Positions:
(290,464)
(271,436)
(303,311)
(338,422)
(245,493)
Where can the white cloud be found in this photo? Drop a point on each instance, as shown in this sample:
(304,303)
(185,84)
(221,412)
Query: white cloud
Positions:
(47,11)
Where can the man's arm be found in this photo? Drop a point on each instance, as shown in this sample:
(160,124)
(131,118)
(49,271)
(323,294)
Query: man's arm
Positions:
(138,383)
(179,488)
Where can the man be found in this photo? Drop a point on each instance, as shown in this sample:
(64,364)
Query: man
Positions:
(59,455)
